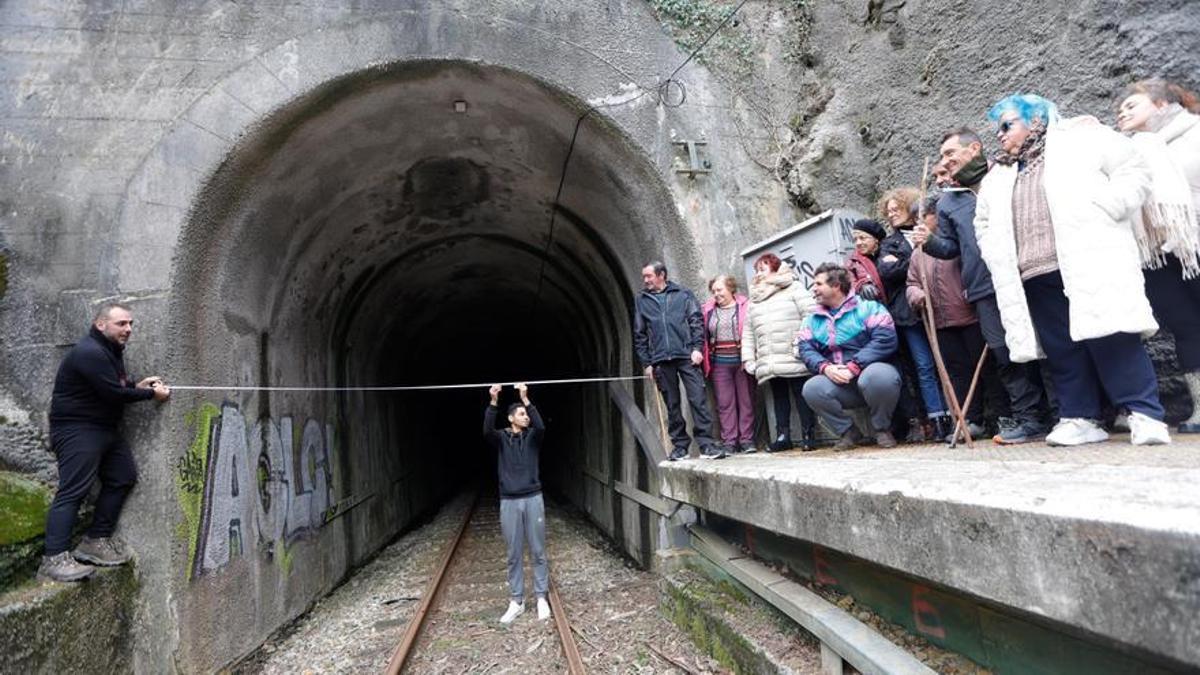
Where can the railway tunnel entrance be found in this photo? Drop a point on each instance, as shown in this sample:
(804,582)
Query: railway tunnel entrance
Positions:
(392,228)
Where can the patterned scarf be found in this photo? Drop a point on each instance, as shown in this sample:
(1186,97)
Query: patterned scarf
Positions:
(1031,151)
(1166,223)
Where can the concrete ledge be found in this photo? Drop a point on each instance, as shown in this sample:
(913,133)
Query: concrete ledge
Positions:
(850,639)
(69,628)
(1104,541)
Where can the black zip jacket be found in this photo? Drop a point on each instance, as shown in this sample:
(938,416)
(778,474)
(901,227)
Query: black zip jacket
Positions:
(667,325)
(517,454)
(92,387)
(955,237)
(894,274)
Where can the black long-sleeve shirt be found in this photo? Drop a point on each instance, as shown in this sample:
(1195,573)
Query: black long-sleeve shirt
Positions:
(517,454)
(92,387)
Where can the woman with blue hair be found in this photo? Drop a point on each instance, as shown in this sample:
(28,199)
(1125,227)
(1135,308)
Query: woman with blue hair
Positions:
(1053,224)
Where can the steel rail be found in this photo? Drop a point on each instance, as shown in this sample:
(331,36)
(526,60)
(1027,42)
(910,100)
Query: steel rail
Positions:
(570,649)
(400,656)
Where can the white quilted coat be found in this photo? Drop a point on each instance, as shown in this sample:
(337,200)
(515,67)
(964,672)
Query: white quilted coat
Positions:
(778,304)
(1095,179)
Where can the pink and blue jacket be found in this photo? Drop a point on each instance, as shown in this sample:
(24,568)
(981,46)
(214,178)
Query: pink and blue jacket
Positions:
(857,334)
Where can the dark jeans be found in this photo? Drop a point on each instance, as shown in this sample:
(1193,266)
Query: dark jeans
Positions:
(961,347)
(1028,399)
(667,375)
(1176,304)
(83,453)
(781,401)
(928,384)
(1084,372)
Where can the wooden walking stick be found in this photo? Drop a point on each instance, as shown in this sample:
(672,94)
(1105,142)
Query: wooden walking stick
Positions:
(931,331)
(974,381)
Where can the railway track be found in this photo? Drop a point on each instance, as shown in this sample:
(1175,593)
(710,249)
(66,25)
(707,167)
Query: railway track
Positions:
(472,545)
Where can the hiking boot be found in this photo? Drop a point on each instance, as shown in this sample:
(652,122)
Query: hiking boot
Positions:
(885,439)
(943,426)
(782,442)
(1073,431)
(1145,430)
(1016,433)
(678,454)
(543,609)
(916,432)
(714,451)
(101,551)
(848,440)
(514,610)
(62,567)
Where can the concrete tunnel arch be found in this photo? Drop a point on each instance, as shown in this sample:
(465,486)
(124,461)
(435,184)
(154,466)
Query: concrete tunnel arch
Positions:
(369,234)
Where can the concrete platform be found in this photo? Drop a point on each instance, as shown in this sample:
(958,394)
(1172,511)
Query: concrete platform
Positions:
(1102,540)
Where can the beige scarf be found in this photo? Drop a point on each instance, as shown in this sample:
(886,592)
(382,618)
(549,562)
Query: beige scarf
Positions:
(1166,223)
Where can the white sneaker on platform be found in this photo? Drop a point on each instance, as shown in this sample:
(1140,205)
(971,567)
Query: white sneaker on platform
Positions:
(543,609)
(515,609)
(1076,431)
(1144,430)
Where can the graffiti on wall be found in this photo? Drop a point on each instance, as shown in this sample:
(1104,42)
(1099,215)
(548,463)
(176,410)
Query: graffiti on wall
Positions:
(253,486)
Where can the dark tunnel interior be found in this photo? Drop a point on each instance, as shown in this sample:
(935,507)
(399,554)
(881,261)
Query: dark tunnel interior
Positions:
(394,228)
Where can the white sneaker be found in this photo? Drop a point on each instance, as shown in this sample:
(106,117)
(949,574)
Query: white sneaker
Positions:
(1144,430)
(1076,431)
(543,609)
(515,609)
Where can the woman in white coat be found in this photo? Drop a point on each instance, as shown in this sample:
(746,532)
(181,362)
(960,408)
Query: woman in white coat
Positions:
(1156,114)
(1053,225)
(779,302)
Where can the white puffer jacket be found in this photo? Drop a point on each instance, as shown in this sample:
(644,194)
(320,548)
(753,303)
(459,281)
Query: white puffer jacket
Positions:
(778,305)
(1094,179)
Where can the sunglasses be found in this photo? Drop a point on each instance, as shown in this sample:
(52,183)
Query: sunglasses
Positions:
(1007,126)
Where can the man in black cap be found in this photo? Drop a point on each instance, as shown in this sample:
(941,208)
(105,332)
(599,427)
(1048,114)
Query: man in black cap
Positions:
(90,394)
(962,154)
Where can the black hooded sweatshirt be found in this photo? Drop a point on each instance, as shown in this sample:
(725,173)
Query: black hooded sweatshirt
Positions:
(517,454)
(92,387)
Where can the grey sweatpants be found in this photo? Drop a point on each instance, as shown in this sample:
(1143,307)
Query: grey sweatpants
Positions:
(877,388)
(523,519)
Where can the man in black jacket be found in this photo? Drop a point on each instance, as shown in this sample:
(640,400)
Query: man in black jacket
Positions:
(90,393)
(522,512)
(962,154)
(668,335)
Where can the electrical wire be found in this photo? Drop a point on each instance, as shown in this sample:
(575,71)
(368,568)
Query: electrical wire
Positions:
(663,91)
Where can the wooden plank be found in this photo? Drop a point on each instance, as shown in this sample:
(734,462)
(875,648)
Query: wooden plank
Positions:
(662,507)
(596,476)
(643,429)
(854,641)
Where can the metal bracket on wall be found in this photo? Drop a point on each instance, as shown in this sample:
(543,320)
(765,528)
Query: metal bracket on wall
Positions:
(694,165)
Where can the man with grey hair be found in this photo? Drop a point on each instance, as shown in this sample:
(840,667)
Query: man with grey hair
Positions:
(668,337)
(90,393)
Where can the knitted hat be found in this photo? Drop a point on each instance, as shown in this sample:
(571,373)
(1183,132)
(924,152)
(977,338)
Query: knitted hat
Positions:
(871,227)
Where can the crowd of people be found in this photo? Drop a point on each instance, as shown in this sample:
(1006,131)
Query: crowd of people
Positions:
(1019,284)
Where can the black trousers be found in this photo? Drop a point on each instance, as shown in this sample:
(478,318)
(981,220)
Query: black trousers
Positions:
(1176,304)
(1116,366)
(1027,396)
(961,347)
(667,375)
(781,401)
(83,453)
